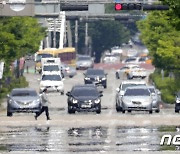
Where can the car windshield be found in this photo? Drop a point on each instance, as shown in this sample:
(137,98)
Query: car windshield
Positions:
(152,90)
(79,92)
(23,93)
(95,72)
(84,58)
(124,86)
(130,59)
(39,56)
(51,77)
(51,68)
(137,92)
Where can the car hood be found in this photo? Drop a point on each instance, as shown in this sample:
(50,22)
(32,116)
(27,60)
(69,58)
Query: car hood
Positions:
(83,62)
(25,99)
(86,98)
(136,98)
(51,83)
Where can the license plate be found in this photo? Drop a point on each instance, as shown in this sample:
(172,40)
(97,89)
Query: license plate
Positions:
(85,106)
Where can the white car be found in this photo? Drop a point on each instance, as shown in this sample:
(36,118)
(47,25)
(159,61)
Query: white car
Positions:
(53,83)
(51,60)
(121,89)
(125,70)
(137,73)
(110,59)
(51,69)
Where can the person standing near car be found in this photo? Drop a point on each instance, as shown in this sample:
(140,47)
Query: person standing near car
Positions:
(45,103)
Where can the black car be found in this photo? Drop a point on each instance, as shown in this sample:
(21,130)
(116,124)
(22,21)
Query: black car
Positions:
(84,98)
(96,77)
(177,103)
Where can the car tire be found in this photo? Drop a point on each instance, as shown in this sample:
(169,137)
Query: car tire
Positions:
(150,111)
(71,76)
(9,114)
(123,111)
(98,111)
(176,111)
(157,111)
(70,111)
(117,76)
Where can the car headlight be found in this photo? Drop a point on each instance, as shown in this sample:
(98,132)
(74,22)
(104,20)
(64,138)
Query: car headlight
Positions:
(104,78)
(177,101)
(11,101)
(74,101)
(86,78)
(97,101)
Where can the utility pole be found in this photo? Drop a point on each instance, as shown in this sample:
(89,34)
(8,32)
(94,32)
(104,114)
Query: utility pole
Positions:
(54,34)
(76,35)
(86,38)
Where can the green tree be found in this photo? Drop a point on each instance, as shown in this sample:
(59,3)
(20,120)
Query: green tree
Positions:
(106,34)
(19,36)
(160,33)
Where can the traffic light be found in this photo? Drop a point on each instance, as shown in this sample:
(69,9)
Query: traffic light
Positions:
(74,7)
(127,6)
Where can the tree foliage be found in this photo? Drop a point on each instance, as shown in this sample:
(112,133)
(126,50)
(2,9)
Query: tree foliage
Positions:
(160,32)
(106,34)
(19,36)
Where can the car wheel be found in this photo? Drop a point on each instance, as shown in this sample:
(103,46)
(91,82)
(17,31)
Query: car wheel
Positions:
(98,111)
(9,114)
(118,108)
(117,76)
(71,76)
(176,111)
(150,111)
(70,111)
(123,111)
(157,111)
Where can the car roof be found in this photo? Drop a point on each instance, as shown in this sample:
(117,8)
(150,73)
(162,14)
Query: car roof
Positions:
(133,81)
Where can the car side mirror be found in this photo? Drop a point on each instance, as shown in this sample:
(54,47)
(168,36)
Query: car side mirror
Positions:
(100,92)
(8,95)
(100,95)
(38,79)
(84,74)
(68,94)
(63,79)
(158,92)
(117,89)
(106,74)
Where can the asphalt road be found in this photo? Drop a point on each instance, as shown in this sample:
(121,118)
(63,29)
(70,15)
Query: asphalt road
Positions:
(108,132)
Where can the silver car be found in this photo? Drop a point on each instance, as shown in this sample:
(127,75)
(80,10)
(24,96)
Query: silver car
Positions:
(67,70)
(84,62)
(23,100)
(156,98)
(137,99)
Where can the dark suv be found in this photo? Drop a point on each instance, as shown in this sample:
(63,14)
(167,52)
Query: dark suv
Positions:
(177,103)
(84,98)
(96,77)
